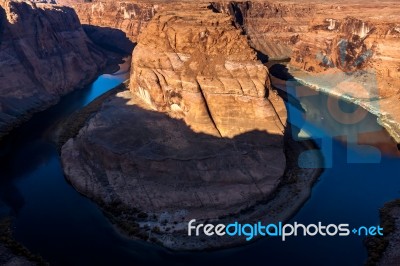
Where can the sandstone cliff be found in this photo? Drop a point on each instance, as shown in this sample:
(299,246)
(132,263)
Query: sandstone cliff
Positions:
(44,53)
(199,134)
(128,16)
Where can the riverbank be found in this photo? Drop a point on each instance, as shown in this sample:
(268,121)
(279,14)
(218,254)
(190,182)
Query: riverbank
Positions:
(70,127)
(359,88)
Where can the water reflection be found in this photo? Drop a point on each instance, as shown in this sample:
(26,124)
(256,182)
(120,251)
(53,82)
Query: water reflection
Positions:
(318,115)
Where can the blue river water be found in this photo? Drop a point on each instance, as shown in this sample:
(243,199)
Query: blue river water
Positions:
(66,228)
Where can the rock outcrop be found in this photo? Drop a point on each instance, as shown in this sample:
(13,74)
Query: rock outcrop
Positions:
(44,53)
(384,250)
(198,67)
(198,135)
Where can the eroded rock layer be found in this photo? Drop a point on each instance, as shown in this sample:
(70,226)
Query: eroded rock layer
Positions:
(44,53)
(198,135)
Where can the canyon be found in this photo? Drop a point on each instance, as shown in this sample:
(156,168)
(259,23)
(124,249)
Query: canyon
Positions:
(340,42)
(198,131)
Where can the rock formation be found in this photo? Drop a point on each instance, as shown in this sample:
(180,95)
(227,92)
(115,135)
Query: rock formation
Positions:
(44,53)
(307,32)
(199,134)
(198,67)
(326,40)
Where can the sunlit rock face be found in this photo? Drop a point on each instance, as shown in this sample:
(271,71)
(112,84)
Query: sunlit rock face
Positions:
(128,16)
(44,53)
(197,66)
(344,36)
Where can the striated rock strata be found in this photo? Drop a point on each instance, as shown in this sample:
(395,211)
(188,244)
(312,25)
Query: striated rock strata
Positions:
(44,53)
(199,134)
(346,48)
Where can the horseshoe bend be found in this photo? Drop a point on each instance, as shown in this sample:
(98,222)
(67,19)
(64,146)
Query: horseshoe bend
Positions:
(198,135)
(139,124)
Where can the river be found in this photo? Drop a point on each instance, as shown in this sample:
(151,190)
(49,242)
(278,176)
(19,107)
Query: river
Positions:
(52,219)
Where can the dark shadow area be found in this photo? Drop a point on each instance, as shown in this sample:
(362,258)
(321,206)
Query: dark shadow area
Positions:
(280,71)
(159,129)
(262,57)
(11,197)
(2,23)
(237,12)
(213,7)
(111,39)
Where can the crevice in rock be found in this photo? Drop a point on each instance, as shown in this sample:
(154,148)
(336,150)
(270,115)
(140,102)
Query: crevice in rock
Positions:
(208,109)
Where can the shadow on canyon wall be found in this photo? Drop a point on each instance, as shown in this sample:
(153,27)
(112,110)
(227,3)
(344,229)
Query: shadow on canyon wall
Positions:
(280,71)
(111,39)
